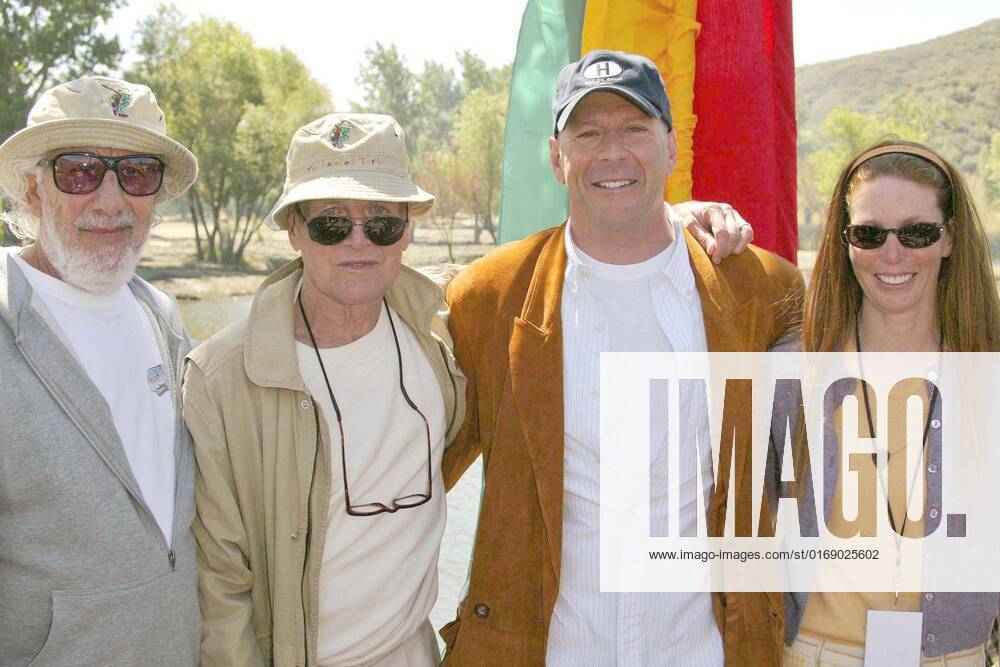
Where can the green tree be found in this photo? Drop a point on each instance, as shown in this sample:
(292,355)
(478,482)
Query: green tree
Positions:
(437,95)
(236,107)
(442,174)
(843,134)
(477,75)
(478,139)
(989,166)
(45,43)
(389,87)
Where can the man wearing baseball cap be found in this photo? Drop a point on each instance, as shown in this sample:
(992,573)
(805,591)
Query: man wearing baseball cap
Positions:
(531,319)
(319,423)
(97,558)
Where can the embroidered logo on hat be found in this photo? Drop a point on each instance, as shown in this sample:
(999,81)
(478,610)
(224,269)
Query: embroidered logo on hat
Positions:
(603,69)
(119,101)
(340,134)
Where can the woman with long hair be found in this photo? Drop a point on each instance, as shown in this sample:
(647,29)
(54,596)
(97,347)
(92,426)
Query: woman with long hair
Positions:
(903,266)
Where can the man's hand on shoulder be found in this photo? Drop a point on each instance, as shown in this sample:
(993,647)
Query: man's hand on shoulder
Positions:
(717,226)
(442,274)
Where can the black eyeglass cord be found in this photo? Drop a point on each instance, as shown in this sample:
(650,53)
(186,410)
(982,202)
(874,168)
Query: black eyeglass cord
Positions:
(319,358)
(340,421)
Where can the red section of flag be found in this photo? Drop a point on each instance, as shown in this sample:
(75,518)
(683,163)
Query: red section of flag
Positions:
(744,99)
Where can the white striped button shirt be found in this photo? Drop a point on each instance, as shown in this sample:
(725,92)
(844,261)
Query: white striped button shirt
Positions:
(652,306)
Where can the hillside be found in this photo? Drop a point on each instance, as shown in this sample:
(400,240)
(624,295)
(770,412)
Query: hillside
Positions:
(960,71)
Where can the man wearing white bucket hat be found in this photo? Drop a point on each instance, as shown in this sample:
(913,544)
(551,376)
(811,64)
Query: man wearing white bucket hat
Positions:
(319,423)
(97,558)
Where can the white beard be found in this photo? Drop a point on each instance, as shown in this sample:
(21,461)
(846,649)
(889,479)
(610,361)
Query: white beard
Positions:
(102,272)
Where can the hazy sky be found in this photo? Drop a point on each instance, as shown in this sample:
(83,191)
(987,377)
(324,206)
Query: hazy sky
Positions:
(330,37)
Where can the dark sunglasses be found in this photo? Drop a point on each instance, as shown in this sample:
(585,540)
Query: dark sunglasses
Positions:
(332,229)
(82,173)
(912,235)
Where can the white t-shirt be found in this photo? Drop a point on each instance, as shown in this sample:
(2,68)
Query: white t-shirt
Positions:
(113,339)
(378,580)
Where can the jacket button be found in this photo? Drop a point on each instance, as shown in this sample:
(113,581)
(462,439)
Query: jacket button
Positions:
(931,637)
(928,596)
(481,610)
(304,404)
(295,537)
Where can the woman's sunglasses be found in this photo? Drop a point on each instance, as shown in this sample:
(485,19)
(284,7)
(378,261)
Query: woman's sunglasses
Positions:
(82,173)
(332,229)
(913,235)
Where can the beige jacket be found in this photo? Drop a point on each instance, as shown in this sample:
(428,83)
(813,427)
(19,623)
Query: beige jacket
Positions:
(264,470)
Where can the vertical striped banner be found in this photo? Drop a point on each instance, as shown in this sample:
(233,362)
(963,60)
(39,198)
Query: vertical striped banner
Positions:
(530,197)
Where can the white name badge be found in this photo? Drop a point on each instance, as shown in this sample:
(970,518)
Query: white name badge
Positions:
(893,639)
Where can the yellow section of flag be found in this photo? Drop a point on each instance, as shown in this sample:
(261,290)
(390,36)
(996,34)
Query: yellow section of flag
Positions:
(664,31)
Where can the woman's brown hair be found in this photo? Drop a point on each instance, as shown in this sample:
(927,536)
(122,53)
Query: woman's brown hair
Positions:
(967,301)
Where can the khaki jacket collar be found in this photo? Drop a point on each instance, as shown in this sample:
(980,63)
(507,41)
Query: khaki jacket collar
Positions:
(269,355)
(536,359)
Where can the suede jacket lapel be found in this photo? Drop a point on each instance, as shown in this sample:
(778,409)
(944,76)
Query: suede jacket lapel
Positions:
(537,384)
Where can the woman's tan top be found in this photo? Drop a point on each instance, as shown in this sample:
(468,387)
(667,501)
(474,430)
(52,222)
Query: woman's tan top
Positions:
(843,617)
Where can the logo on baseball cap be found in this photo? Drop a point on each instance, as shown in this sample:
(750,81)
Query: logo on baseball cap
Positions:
(627,74)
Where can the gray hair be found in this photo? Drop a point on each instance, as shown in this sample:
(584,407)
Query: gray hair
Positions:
(17,214)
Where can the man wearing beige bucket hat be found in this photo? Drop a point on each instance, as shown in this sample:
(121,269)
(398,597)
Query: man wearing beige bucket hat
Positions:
(319,422)
(97,558)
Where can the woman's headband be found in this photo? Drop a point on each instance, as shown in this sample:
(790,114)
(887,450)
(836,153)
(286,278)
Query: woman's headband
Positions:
(905,149)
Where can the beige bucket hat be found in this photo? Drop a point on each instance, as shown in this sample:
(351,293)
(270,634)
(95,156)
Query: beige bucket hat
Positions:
(102,112)
(349,156)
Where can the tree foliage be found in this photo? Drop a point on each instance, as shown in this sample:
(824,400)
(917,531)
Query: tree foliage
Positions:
(442,174)
(479,128)
(236,106)
(45,43)
(389,88)
(842,135)
(990,168)
(454,127)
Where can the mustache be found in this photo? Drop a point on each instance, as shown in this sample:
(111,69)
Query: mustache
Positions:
(92,220)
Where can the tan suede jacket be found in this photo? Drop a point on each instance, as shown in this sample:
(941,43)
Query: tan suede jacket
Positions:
(506,320)
(264,471)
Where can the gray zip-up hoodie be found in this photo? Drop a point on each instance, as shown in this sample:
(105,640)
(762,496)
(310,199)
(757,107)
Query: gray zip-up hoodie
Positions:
(86,576)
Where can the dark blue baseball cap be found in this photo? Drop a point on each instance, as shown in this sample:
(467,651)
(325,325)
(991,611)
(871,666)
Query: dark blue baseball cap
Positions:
(634,77)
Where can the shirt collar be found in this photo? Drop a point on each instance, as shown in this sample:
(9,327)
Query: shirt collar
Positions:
(676,270)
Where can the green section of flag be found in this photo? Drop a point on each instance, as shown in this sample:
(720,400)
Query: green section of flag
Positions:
(531,199)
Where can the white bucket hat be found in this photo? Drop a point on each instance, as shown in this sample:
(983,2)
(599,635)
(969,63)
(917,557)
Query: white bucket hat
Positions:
(349,156)
(102,112)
